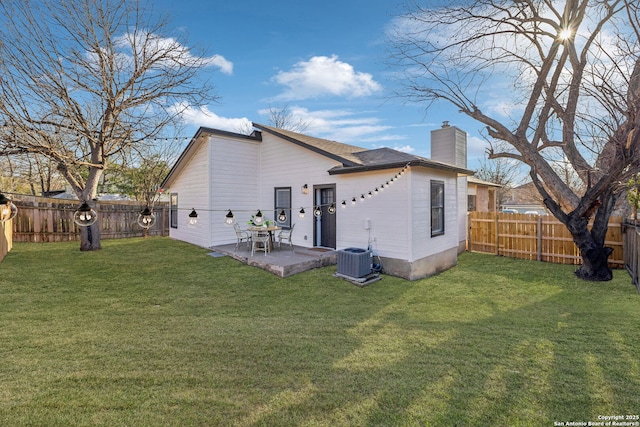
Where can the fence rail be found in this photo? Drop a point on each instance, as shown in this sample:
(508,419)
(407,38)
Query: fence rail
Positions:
(541,238)
(51,220)
(631,234)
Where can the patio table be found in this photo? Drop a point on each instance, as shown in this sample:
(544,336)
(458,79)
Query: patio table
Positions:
(270,229)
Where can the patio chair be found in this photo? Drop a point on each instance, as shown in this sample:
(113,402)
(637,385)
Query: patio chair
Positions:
(242,235)
(286,235)
(260,241)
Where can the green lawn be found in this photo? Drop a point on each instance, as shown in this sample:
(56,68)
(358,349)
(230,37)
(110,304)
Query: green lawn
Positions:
(154,332)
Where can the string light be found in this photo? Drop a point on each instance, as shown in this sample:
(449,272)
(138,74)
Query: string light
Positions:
(146,219)
(85,216)
(259,219)
(228,218)
(192,219)
(7,209)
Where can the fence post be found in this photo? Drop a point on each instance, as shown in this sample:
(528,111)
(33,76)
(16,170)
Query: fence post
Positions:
(539,240)
(497,235)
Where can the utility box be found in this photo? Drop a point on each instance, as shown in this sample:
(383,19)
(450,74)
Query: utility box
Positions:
(354,262)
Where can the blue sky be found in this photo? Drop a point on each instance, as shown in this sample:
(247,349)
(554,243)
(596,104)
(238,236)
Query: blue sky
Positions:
(325,60)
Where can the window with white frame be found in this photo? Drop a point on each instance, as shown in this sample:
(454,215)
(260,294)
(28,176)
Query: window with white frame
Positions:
(173,210)
(437,208)
(282,203)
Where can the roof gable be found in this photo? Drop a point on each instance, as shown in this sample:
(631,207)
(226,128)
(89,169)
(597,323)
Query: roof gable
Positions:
(344,153)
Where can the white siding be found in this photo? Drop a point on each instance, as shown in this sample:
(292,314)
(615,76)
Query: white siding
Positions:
(192,187)
(234,184)
(386,213)
(284,164)
(422,243)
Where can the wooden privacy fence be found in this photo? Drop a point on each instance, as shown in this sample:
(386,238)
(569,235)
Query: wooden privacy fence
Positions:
(6,238)
(541,238)
(51,220)
(631,235)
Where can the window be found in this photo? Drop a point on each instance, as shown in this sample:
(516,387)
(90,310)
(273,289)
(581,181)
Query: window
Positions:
(471,202)
(173,211)
(437,208)
(282,202)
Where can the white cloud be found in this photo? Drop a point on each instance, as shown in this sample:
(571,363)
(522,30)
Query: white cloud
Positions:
(221,62)
(342,125)
(325,76)
(202,116)
(149,44)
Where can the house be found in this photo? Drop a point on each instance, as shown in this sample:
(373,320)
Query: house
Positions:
(411,210)
(524,199)
(482,196)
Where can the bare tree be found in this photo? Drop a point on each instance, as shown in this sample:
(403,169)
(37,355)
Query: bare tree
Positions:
(574,93)
(282,117)
(83,81)
(499,171)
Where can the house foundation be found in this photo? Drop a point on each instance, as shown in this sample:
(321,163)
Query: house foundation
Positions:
(424,267)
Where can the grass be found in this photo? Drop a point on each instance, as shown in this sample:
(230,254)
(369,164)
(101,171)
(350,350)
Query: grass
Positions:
(154,332)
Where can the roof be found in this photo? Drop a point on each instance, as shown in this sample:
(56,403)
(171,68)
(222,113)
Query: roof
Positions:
(352,158)
(358,159)
(343,153)
(474,180)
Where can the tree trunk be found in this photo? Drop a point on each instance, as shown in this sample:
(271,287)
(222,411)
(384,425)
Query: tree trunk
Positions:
(595,256)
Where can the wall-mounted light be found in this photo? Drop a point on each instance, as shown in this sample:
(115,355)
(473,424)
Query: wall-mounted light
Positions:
(192,219)
(7,209)
(146,219)
(305,189)
(85,215)
(228,218)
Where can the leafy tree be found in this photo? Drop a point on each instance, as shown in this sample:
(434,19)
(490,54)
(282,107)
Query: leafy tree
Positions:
(554,81)
(82,82)
(633,194)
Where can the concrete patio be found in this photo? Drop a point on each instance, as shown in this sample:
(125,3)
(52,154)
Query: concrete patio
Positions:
(282,261)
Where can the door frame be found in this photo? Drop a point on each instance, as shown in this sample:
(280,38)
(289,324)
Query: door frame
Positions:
(318,222)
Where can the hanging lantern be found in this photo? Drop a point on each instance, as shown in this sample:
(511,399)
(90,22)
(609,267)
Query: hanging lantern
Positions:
(369,194)
(332,208)
(228,218)
(301,213)
(282,217)
(85,215)
(362,197)
(192,219)
(376,191)
(353,201)
(317,212)
(146,219)
(343,204)
(7,209)
(258,218)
